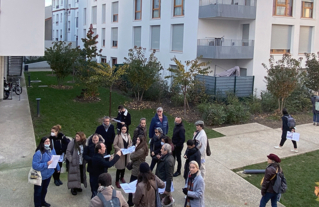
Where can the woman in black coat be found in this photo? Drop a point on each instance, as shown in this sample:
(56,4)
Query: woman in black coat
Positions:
(155,146)
(60,144)
(191,154)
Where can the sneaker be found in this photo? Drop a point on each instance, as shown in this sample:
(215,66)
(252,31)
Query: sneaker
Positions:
(296,151)
(278,147)
(292,150)
(46,204)
(314,123)
(176,174)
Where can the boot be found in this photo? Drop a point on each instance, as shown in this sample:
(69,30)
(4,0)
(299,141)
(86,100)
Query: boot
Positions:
(122,180)
(73,191)
(117,184)
(60,182)
(56,182)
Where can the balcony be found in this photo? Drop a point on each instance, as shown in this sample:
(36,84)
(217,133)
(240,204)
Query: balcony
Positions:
(220,48)
(227,9)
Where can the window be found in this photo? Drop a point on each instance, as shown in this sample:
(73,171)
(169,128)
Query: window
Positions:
(94,31)
(179,7)
(115,11)
(94,15)
(155,37)
(103,37)
(156,12)
(138,9)
(61,2)
(84,32)
(137,36)
(243,72)
(114,61)
(84,16)
(69,26)
(307,8)
(103,13)
(57,35)
(177,37)
(283,7)
(280,39)
(305,39)
(61,34)
(76,22)
(114,37)
(103,59)
(61,18)
(57,19)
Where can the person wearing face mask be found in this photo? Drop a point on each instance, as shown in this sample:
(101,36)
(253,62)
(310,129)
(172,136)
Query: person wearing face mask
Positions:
(77,165)
(125,117)
(106,130)
(60,143)
(178,141)
(40,162)
(122,140)
(88,154)
(155,146)
(140,130)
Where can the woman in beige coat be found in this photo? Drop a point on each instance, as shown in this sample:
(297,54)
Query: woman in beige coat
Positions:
(122,140)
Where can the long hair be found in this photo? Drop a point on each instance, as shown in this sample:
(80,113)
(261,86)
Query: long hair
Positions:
(41,145)
(145,178)
(142,145)
(81,142)
(57,127)
(167,139)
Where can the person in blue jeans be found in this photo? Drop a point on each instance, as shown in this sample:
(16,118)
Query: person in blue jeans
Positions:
(268,181)
(41,161)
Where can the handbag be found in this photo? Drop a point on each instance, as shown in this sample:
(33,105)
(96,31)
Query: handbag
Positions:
(129,166)
(34,176)
(208,152)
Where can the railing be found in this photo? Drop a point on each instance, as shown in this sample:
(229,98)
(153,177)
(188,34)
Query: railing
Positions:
(231,2)
(224,42)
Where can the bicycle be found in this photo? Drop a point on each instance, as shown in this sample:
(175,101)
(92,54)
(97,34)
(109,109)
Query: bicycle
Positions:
(17,88)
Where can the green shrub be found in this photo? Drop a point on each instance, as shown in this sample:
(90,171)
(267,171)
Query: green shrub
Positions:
(212,114)
(299,100)
(197,93)
(268,102)
(157,91)
(177,100)
(237,113)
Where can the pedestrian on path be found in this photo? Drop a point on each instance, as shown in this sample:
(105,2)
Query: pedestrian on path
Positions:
(285,128)
(106,130)
(60,143)
(77,165)
(178,139)
(122,140)
(40,162)
(191,154)
(140,130)
(268,181)
(200,139)
(159,120)
(194,187)
(314,100)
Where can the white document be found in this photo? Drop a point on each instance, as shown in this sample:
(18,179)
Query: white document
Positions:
(107,156)
(161,190)
(55,160)
(128,150)
(118,121)
(61,157)
(129,187)
(293,136)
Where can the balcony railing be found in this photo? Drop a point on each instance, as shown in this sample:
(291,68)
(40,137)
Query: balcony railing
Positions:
(228,9)
(220,48)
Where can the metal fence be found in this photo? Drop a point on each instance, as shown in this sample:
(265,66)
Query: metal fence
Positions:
(233,2)
(242,86)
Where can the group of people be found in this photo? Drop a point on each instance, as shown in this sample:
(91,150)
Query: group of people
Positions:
(93,154)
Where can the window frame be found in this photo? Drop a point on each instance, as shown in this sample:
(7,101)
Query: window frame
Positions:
(286,5)
(103,37)
(303,7)
(137,11)
(279,51)
(156,9)
(117,14)
(94,17)
(112,37)
(176,6)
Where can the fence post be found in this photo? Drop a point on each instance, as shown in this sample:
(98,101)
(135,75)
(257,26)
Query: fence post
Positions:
(215,86)
(235,80)
(38,106)
(252,88)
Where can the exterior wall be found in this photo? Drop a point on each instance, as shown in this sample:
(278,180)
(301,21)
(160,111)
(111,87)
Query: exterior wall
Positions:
(48,29)
(22,31)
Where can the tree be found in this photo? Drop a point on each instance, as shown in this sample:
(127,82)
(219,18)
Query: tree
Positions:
(282,77)
(140,71)
(312,68)
(184,75)
(61,58)
(107,76)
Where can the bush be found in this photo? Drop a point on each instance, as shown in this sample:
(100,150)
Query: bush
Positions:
(157,91)
(299,100)
(237,113)
(212,114)
(177,100)
(268,102)
(197,93)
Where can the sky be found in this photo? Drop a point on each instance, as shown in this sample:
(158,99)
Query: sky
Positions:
(48,2)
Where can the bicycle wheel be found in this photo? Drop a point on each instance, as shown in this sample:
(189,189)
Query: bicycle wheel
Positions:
(18,90)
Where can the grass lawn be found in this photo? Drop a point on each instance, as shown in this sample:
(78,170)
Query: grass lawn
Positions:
(58,107)
(301,174)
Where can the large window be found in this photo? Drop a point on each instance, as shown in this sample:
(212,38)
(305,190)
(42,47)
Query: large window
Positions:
(103,13)
(179,6)
(103,37)
(307,9)
(114,37)
(305,37)
(138,9)
(94,15)
(280,39)
(84,16)
(177,37)
(155,37)
(283,7)
(115,13)
(137,36)
(76,22)
(156,10)
(69,26)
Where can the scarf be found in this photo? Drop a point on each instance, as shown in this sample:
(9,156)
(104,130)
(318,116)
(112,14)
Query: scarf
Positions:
(48,149)
(106,127)
(190,186)
(124,136)
(101,188)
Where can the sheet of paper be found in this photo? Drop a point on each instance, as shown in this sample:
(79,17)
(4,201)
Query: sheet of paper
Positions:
(289,135)
(118,121)
(128,150)
(55,160)
(161,190)
(296,137)
(129,187)
(61,157)
(107,156)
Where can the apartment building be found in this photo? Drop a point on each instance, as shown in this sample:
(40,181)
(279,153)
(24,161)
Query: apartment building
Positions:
(22,31)
(65,20)
(225,33)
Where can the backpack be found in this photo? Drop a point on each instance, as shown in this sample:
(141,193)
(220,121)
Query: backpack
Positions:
(114,202)
(291,122)
(280,185)
(317,106)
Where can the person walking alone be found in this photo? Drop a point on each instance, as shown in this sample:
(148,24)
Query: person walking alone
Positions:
(178,141)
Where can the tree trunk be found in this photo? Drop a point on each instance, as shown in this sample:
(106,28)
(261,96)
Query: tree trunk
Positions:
(138,96)
(185,100)
(279,105)
(142,95)
(110,101)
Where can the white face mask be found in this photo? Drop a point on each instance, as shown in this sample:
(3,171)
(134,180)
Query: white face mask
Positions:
(162,143)
(52,134)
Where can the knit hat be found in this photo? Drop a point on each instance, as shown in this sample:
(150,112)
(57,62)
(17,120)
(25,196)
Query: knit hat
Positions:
(105,179)
(144,167)
(274,158)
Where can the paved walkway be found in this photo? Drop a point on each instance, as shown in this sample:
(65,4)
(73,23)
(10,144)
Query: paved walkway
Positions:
(243,145)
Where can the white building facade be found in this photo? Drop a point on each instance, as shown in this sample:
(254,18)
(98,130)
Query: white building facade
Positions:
(65,20)
(226,33)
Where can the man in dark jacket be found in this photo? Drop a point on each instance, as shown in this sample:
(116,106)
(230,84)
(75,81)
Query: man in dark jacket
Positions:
(165,167)
(159,120)
(191,154)
(140,130)
(125,117)
(106,130)
(100,165)
(178,140)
